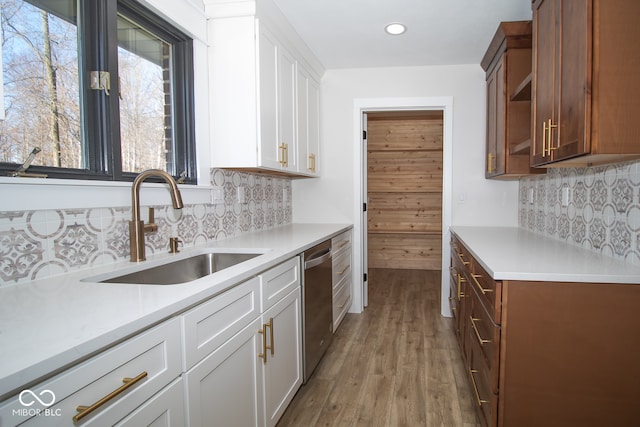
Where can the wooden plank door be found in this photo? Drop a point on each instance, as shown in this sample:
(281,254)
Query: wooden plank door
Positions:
(404,181)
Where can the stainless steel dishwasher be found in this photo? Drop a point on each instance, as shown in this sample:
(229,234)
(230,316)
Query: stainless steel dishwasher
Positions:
(317,297)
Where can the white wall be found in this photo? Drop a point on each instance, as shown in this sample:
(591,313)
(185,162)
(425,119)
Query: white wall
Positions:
(475,200)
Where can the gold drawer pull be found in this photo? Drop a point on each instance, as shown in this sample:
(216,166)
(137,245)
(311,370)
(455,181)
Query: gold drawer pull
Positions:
(475,388)
(461,256)
(263,355)
(460,281)
(343,244)
(475,279)
(83,411)
(473,325)
(342,272)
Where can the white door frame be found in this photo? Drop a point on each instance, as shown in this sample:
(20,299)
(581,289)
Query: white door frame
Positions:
(360,106)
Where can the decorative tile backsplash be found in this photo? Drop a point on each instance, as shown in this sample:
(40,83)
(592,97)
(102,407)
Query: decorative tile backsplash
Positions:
(44,243)
(597,208)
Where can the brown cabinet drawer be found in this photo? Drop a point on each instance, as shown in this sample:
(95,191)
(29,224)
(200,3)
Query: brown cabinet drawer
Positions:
(460,254)
(487,289)
(485,335)
(480,378)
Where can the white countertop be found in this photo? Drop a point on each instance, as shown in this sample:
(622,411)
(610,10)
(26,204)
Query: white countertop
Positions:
(509,253)
(50,324)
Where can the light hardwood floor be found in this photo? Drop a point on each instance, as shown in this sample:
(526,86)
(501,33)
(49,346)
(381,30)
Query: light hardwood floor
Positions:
(396,364)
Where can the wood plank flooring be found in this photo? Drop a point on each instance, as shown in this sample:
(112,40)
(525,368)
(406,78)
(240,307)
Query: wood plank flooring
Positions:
(396,364)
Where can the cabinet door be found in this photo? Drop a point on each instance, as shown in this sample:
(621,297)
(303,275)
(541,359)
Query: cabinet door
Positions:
(544,66)
(496,105)
(313,143)
(270,153)
(574,81)
(283,367)
(165,409)
(287,108)
(225,388)
(308,124)
(302,96)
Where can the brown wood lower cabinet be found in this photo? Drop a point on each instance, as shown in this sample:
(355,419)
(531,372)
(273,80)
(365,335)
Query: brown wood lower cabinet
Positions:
(547,353)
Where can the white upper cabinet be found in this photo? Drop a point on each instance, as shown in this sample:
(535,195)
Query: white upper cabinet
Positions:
(308,103)
(264,91)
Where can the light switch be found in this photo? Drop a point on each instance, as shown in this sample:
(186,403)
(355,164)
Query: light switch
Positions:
(217,195)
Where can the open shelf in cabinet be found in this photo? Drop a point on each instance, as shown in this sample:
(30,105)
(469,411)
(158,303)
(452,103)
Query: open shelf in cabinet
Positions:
(522,92)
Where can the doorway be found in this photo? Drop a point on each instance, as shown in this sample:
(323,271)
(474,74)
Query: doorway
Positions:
(367,106)
(404,189)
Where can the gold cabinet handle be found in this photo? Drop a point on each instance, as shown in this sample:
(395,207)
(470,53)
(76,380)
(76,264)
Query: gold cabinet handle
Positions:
(83,411)
(312,162)
(343,271)
(490,158)
(460,281)
(273,344)
(550,128)
(461,256)
(544,139)
(263,355)
(475,329)
(475,388)
(483,290)
(284,154)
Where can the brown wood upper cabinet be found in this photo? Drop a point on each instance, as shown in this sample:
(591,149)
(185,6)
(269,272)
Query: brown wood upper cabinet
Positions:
(586,90)
(507,63)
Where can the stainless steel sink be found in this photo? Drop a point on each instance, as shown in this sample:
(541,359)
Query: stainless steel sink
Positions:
(184,270)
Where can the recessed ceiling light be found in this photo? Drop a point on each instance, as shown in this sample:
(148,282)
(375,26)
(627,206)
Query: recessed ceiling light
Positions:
(395,29)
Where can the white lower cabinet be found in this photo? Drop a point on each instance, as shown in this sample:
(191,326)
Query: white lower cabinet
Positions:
(225,388)
(165,409)
(233,360)
(104,389)
(341,279)
(282,367)
(250,378)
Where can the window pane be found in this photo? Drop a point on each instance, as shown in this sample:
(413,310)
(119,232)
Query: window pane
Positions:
(144,67)
(40,82)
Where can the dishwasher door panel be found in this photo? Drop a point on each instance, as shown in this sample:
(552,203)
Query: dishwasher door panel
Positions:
(317,305)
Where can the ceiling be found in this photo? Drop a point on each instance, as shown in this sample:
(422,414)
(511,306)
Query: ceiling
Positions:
(350,33)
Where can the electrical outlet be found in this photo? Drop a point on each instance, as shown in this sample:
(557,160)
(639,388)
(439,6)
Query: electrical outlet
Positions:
(565,196)
(240,193)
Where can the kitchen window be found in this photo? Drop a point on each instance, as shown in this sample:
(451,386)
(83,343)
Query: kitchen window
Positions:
(102,88)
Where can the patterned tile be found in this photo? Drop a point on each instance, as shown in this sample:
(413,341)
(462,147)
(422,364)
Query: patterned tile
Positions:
(603,213)
(39,244)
